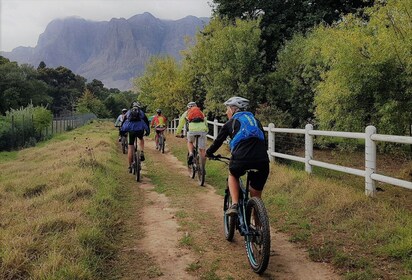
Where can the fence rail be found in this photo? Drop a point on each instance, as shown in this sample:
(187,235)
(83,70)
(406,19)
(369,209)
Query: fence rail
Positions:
(370,136)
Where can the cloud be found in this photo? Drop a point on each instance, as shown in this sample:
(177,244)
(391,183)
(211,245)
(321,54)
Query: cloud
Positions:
(22,21)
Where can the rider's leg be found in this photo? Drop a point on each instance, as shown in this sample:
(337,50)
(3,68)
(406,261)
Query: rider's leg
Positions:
(141,144)
(234,188)
(190,147)
(255,193)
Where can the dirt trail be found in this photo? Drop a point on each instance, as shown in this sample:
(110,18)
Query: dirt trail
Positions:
(160,244)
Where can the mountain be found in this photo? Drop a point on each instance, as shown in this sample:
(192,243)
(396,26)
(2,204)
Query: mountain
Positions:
(112,51)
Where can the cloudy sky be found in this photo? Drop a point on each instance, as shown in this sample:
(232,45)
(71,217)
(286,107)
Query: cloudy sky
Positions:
(22,21)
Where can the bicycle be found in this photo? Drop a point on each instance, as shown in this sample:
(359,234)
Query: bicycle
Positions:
(136,164)
(252,222)
(198,164)
(160,141)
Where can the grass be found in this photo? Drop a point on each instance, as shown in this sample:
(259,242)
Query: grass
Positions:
(60,205)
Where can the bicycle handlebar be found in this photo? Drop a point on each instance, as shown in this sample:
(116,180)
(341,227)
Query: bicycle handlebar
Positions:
(218,157)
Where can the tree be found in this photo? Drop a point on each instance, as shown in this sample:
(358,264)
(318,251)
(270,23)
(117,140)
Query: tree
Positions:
(88,103)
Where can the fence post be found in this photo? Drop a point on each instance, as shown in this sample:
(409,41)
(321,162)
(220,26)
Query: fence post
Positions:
(215,129)
(308,148)
(271,142)
(370,161)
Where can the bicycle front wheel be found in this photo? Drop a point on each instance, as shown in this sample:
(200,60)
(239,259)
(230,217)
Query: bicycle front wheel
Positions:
(200,170)
(228,221)
(258,242)
(161,144)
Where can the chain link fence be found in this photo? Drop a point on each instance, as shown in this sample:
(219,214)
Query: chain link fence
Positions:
(19,131)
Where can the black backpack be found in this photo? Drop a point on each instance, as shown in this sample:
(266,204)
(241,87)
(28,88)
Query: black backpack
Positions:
(134,115)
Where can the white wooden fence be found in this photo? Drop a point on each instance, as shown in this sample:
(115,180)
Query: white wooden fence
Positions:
(370,136)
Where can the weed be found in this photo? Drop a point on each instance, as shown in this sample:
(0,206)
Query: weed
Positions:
(193,266)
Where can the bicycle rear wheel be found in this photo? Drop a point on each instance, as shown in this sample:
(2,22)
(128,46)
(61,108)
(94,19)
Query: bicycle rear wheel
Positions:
(192,167)
(124,145)
(161,144)
(138,165)
(228,221)
(200,170)
(258,243)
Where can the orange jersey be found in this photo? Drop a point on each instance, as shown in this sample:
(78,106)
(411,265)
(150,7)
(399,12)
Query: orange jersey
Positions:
(159,121)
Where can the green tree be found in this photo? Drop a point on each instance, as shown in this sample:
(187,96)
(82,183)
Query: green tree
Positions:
(88,103)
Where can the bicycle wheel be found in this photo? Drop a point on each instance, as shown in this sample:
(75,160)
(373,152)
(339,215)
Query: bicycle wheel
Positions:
(228,221)
(161,144)
(138,165)
(124,145)
(258,243)
(200,170)
(134,164)
(191,168)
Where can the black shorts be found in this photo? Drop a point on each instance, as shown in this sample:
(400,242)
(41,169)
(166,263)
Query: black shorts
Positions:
(257,178)
(132,136)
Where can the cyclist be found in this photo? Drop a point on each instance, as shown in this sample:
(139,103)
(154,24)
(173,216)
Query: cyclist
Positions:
(159,122)
(197,126)
(247,147)
(137,125)
(118,123)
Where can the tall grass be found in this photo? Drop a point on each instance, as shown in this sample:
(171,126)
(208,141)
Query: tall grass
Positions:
(60,207)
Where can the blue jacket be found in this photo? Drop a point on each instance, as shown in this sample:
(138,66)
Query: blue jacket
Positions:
(143,124)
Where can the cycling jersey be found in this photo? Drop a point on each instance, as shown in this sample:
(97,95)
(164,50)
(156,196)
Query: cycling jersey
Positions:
(159,121)
(193,126)
(143,124)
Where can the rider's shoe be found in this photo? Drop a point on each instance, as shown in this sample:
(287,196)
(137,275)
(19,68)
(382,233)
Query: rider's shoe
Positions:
(190,160)
(120,139)
(232,211)
(142,158)
(130,169)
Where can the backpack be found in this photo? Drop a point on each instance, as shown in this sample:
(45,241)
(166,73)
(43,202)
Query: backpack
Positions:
(134,115)
(249,128)
(194,114)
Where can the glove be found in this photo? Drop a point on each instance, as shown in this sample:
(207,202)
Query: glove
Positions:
(209,154)
(146,133)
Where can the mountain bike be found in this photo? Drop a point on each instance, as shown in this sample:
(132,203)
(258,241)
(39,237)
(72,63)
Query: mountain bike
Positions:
(198,164)
(136,164)
(252,222)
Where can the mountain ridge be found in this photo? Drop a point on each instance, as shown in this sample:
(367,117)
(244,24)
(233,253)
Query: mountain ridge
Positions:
(113,51)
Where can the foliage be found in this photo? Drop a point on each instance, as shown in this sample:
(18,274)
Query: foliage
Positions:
(226,60)
(369,75)
(42,119)
(163,86)
(88,103)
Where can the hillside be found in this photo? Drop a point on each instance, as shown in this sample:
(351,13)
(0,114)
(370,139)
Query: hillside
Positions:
(112,51)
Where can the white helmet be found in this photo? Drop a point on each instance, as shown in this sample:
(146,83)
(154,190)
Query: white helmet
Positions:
(240,102)
(191,104)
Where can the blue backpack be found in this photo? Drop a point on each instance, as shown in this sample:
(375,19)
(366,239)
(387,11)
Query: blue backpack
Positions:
(249,128)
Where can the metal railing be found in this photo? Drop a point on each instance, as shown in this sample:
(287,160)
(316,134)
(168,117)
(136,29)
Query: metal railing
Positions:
(370,136)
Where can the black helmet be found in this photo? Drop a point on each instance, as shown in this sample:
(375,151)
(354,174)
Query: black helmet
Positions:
(124,110)
(135,104)
(158,111)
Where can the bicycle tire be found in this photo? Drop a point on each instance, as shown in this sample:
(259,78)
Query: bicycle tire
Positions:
(257,246)
(229,222)
(138,165)
(124,145)
(134,164)
(200,170)
(163,144)
(192,168)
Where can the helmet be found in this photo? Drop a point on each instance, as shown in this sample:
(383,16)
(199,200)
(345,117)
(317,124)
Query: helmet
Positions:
(237,101)
(191,104)
(158,111)
(135,104)
(124,110)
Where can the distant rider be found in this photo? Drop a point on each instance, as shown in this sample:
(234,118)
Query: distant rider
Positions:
(197,126)
(118,123)
(137,125)
(159,122)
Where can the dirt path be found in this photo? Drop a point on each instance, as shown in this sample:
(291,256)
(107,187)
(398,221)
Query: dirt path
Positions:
(159,254)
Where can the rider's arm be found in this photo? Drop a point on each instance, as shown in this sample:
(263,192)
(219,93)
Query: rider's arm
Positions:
(147,123)
(182,122)
(221,137)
